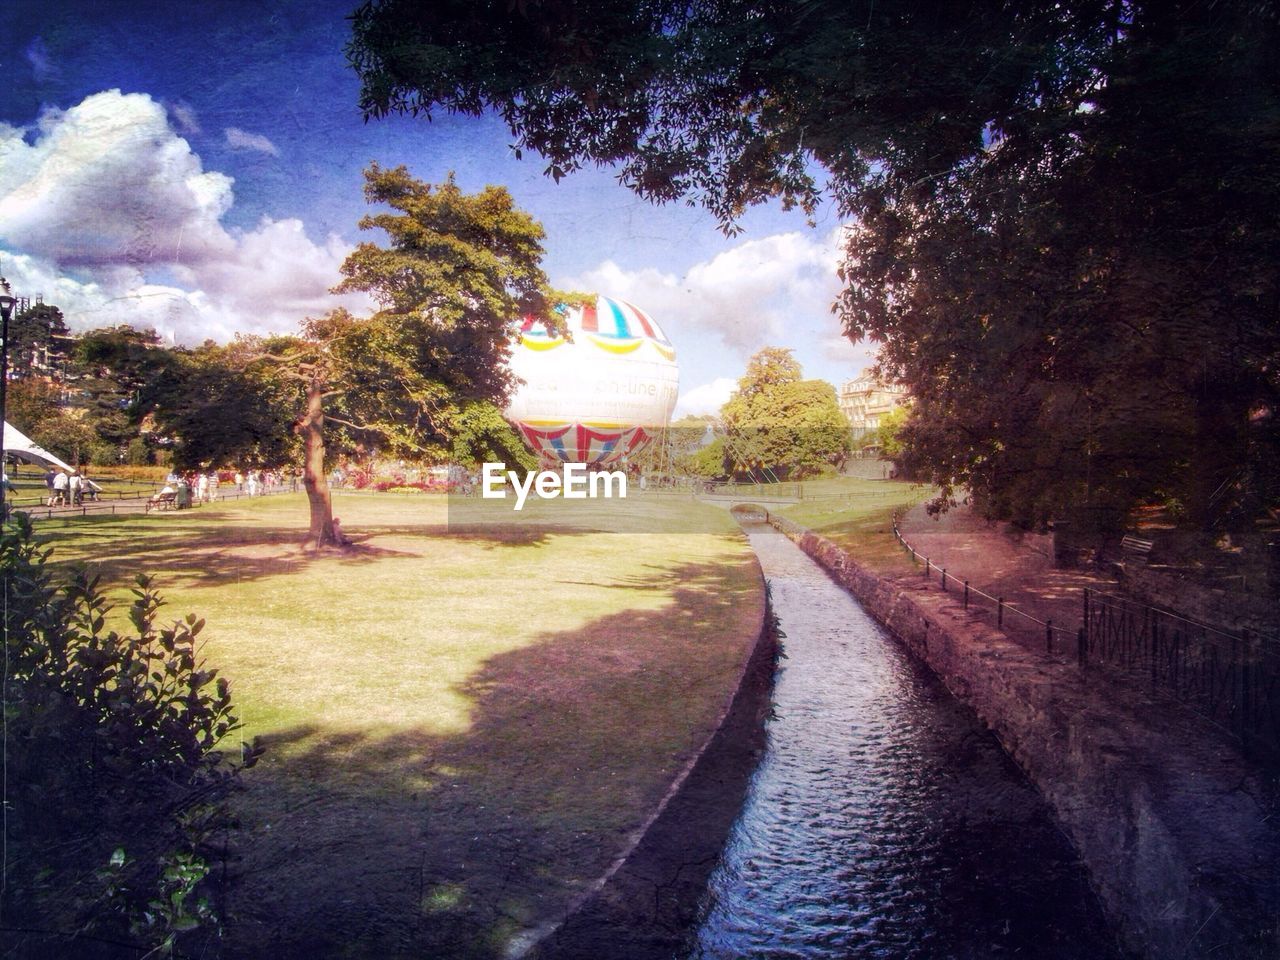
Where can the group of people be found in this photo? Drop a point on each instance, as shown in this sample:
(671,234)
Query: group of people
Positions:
(203,487)
(68,489)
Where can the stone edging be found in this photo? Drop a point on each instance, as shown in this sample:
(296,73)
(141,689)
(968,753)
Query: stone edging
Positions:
(697,810)
(1171,825)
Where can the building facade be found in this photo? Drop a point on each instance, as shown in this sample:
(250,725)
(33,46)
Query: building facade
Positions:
(865,400)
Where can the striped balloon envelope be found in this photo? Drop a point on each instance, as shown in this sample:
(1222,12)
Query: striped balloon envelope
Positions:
(599,394)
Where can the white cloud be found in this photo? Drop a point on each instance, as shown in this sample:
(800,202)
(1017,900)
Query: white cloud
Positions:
(749,295)
(109,214)
(856,356)
(706,399)
(184,116)
(238,139)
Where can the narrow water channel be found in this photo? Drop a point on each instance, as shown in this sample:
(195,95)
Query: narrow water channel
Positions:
(884,820)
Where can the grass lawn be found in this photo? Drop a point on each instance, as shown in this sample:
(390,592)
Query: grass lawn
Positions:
(463,727)
(857,514)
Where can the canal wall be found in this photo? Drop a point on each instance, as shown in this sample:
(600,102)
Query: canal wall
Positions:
(1171,824)
(646,904)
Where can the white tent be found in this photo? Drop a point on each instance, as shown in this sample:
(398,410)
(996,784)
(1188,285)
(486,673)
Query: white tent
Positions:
(18,444)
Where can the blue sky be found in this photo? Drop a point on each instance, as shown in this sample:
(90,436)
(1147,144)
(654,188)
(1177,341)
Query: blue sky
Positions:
(197,168)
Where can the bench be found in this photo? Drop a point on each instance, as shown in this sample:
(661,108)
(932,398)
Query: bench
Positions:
(1135,548)
(162,501)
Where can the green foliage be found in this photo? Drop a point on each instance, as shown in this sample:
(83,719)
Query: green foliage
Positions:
(889,435)
(671,449)
(1065,240)
(768,368)
(483,435)
(709,462)
(458,271)
(778,426)
(115,785)
(34,340)
(217,407)
(420,379)
(31,405)
(138,452)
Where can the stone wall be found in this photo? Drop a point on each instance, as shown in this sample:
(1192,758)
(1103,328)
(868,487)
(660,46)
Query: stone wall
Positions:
(1171,824)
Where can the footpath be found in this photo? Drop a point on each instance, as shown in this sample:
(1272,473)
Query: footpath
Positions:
(1181,835)
(1017,568)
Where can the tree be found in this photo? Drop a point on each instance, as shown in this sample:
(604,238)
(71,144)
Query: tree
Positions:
(888,434)
(216,405)
(113,369)
(1064,241)
(36,341)
(424,373)
(778,426)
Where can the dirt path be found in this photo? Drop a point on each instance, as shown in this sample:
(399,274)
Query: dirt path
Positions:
(1018,568)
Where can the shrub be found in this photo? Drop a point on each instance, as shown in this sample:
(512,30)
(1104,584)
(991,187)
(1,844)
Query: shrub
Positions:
(138,452)
(131,472)
(115,785)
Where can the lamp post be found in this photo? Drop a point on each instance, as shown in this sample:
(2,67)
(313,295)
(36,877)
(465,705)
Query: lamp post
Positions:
(7,302)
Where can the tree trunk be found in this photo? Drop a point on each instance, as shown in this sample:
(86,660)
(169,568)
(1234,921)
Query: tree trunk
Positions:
(311,426)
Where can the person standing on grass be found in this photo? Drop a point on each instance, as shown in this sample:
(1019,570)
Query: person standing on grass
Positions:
(59,489)
(253,483)
(213,485)
(202,488)
(75,487)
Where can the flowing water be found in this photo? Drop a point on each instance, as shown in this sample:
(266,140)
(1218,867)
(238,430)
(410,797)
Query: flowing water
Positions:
(884,820)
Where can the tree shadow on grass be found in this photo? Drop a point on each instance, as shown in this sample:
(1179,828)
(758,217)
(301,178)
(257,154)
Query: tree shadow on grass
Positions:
(417,843)
(209,555)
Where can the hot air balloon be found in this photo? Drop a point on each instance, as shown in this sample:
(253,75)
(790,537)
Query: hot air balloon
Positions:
(600,396)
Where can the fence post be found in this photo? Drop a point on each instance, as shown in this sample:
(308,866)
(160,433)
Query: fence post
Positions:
(1082,649)
(928,564)
(1086,608)
(1048,635)
(966,594)
(944,579)
(1000,613)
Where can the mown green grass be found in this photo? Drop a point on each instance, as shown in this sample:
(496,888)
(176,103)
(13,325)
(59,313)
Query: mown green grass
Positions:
(858,515)
(463,725)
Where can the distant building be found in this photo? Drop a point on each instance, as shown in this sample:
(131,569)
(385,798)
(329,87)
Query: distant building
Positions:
(865,400)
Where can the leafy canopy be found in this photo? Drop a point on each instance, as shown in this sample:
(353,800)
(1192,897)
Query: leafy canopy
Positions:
(1064,234)
(778,426)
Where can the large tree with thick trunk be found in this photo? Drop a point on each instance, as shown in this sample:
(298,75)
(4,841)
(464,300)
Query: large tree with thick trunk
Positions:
(454,277)
(1065,234)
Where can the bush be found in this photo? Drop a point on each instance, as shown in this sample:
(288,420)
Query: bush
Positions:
(115,785)
(138,452)
(102,453)
(128,472)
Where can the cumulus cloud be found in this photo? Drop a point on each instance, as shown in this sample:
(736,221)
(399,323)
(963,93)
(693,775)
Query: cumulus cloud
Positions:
(707,398)
(748,295)
(238,139)
(107,212)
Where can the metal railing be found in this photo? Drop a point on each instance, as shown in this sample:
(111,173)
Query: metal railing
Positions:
(124,505)
(1057,639)
(1231,680)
